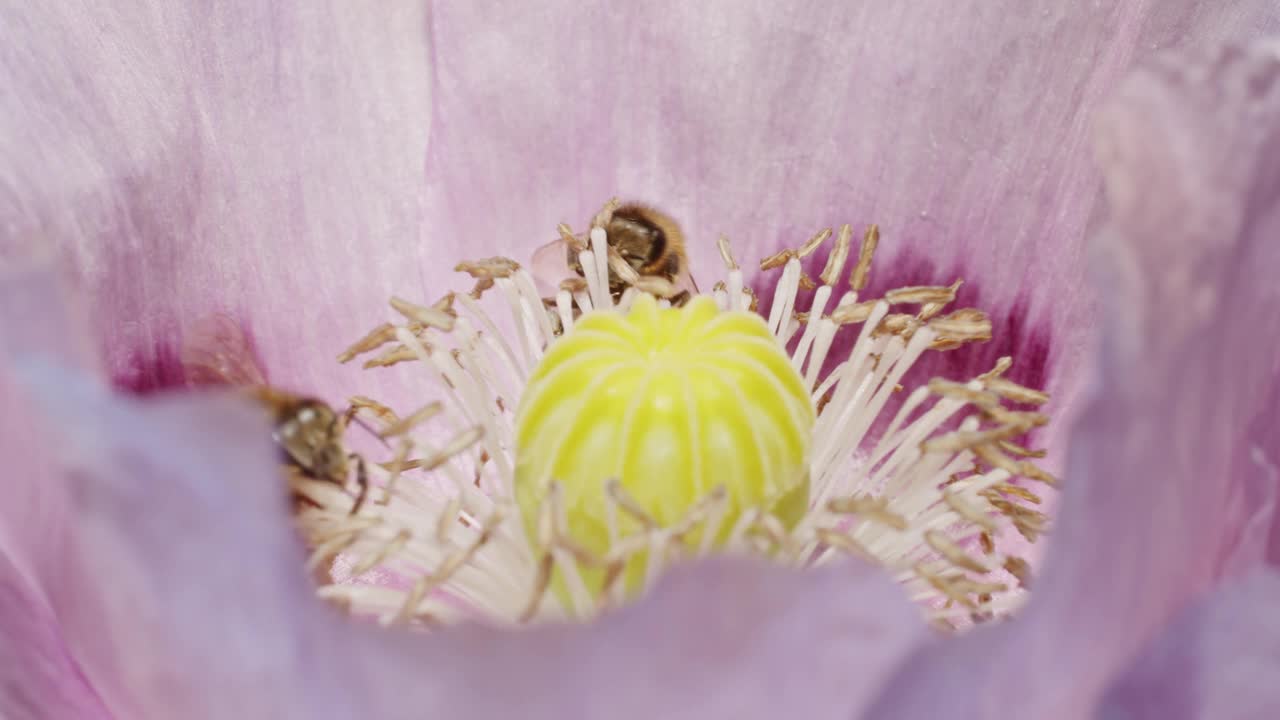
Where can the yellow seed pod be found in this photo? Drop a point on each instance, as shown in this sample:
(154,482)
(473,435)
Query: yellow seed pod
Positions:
(672,403)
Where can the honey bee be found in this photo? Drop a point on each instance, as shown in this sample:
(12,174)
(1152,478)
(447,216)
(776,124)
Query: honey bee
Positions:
(308,432)
(646,239)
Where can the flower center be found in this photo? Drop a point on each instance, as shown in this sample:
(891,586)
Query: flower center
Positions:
(668,404)
(645,436)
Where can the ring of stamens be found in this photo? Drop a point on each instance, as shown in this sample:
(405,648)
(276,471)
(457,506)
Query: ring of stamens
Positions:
(926,498)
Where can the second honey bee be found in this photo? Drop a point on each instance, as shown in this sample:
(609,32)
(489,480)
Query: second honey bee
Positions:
(647,240)
(308,432)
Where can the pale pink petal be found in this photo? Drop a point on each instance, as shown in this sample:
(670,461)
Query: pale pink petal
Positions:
(178,576)
(38,678)
(259,158)
(723,639)
(1220,661)
(35,316)
(1150,514)
(184,596)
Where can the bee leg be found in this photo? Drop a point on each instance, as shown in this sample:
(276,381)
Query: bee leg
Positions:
(351,415)
(362,481)
(348,416)
(557,327)
(679,299)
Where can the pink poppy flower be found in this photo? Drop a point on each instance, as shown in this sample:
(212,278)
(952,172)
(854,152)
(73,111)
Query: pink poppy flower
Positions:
(177,161)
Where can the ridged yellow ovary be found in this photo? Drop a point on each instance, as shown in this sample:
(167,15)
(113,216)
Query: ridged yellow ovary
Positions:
(672,403)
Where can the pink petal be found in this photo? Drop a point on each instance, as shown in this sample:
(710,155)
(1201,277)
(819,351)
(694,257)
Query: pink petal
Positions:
(259,158)
(1189,359)
(1265,483)
(1221,661)
(1250,515)
(1150,515)
(959,127)
(38,679)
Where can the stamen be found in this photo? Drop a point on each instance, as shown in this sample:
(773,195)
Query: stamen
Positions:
(836,260)
(599,249)
(566,234)
(618,495)
(400,427)
(394,356)
(379,336)
(428,317)
(722,243)
(384,414)
(858,280)
(869,508)
(1015,392)
(784,296)
(487,272)
(398,465)
(1018,568)
(813,244)
(848,313)
(920,295)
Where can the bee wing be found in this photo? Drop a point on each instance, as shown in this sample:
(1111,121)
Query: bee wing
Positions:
(549,266)
(684,280)
(215,351)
